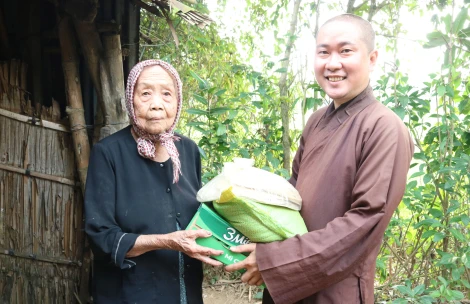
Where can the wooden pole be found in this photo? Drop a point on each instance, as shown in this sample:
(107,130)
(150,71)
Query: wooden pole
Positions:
(104,61)
(112,84)
(73,89)
(77,124)
(92,50)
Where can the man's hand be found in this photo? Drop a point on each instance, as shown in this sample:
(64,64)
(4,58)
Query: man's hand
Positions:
(252,275)
(185,241)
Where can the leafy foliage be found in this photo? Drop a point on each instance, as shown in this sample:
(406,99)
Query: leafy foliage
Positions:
(232,109)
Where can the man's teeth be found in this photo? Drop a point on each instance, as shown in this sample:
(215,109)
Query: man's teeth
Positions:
(335,78)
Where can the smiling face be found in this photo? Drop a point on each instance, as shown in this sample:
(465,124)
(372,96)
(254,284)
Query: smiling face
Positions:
(342,61)
(155,100)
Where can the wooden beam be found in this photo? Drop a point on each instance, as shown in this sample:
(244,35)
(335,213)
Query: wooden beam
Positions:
(34,121)
(49,177)
(32,256)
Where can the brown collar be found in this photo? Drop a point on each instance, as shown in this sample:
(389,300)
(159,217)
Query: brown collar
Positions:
(334,117)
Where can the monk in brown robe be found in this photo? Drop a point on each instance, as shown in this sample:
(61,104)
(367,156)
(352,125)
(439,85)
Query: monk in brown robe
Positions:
(350,169)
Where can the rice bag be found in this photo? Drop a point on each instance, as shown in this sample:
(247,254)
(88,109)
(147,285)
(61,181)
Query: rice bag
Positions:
(260,204)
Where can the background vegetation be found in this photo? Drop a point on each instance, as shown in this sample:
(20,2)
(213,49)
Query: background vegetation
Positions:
(244,97)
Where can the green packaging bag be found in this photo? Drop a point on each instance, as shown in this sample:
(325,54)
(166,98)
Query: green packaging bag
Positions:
(259,222)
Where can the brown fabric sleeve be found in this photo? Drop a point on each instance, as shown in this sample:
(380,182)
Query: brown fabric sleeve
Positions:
(301,266)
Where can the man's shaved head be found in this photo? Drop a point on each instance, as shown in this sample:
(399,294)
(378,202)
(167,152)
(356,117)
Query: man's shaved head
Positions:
(367,32)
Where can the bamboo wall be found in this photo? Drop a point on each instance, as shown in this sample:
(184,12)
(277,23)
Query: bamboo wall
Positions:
(41,236)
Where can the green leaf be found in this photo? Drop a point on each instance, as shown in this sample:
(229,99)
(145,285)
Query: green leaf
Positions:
(274,161)
(194,111)
(232,114)
(447,21)
(220,92)
(466,43)
(441,90)
(219,110)
(457,234)
(428,234)
(202,83)
(449,91)
(456,295)
(426,300)
(400,301)
(416,174)
(435,39)
(465,219)
(436,213)
(445,170)
(465,33)
(428,222)
(438,237)
(405,290)
(404,100)
(460,20)
(427,178)
(201,39)
(464,106)
(201,151)
(412,184)
(281,70)
(419,289)
(443,281)
(221,129)
(200,99)
(465,283)
(195,124)
(456,274)
(400,111)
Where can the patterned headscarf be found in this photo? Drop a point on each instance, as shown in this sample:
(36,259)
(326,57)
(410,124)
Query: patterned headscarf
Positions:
(146,141)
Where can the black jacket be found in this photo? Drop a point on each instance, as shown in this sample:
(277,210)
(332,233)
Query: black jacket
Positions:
(126,196)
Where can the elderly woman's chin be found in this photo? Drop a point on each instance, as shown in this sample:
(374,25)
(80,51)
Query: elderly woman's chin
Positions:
(156,127)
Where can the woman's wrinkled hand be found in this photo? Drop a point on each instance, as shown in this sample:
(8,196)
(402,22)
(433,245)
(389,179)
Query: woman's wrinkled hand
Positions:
(252,276)
(185,241)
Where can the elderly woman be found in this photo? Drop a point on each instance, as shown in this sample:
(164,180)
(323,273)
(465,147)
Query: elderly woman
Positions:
(141,191)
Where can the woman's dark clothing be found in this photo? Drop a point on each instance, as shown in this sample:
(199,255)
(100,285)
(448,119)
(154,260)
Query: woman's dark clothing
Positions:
(126,196)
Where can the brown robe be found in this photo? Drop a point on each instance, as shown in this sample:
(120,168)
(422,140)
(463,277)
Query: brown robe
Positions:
(350,170)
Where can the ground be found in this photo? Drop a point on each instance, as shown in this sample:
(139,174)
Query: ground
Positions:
(230,294)
(221,287)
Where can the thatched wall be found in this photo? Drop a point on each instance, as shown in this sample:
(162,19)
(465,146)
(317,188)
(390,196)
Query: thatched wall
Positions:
(41,236)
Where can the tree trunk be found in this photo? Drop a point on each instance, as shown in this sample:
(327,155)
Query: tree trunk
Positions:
(283,88)
(350,7)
